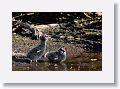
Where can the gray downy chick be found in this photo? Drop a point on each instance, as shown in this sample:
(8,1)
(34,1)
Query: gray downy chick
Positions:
(56,56)
(37,53)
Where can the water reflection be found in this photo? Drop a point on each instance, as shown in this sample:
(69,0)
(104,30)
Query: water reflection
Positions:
(66,66)
(57,67)
(80,63)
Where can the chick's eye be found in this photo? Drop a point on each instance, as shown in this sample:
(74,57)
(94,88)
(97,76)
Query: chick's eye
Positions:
(63,50)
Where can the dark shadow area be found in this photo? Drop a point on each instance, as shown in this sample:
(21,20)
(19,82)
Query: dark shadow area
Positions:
(53,17)
(20,60)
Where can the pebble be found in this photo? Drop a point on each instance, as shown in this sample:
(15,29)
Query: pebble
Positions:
(93,59)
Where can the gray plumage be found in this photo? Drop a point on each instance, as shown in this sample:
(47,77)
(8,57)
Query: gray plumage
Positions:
(38,52)
(56,56)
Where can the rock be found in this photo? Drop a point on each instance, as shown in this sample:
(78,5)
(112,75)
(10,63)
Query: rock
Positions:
(53,25)
(70,37)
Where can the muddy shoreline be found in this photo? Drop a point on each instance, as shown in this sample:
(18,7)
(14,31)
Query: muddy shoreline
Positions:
(78,59)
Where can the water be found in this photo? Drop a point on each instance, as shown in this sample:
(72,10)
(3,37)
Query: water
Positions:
(76,64)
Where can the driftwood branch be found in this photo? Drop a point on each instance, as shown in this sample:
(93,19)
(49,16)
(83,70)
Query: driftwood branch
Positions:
(25,28)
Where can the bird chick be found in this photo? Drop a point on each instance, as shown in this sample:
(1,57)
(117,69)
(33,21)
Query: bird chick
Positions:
(56,56)
(37,52)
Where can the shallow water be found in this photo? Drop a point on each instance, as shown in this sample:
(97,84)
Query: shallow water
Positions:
(76,64)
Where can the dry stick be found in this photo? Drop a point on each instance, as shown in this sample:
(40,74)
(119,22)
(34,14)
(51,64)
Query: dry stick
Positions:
(23,15)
